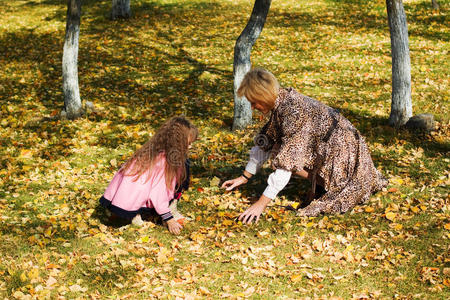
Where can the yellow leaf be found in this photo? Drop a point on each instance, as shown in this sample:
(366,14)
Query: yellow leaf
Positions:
(34,273)
(214,182)
(113,162)
(48,232)
(398,227)
(398,181)
(296,277)
(26,168)
(26,154)
(369,209)
(204,291)
(295,205)
(310,224)
(227,222)
(447,226)
(162,256)
(262,233)
(23,277)
(391,216)
(144,239)
(18,295)
(248,292)
(415,209)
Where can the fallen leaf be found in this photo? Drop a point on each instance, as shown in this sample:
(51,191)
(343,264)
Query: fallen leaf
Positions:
(296,277)
(391,216)
(214,181)
(369,209)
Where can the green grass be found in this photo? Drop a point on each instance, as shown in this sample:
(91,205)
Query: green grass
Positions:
(176,57)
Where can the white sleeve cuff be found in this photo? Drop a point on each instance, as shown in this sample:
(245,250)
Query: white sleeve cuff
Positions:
(256,160)
(276,182)
(251,167)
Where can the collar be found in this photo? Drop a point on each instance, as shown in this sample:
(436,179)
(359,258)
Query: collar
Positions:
(282,95)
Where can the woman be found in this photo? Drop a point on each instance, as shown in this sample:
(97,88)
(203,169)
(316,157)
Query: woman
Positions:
(309,139)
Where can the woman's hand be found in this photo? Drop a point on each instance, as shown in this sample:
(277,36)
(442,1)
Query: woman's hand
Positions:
(174,226)
(231,184)
(254,211)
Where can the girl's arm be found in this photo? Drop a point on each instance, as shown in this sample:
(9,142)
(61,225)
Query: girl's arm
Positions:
(163,210)
(174,226)
(159,197)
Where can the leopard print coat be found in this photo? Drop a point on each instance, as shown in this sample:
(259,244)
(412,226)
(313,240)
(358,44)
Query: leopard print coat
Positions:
(312,136)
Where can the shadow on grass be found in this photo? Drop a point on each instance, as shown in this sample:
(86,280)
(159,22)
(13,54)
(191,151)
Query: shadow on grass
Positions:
(376,130)
(121,68)
(361,15)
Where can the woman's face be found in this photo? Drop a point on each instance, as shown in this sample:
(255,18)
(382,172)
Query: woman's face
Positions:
(259,106)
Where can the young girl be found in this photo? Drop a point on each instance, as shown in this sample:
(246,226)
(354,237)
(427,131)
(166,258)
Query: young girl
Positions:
(154,177)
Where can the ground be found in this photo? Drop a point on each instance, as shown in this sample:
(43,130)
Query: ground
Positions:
(175,57)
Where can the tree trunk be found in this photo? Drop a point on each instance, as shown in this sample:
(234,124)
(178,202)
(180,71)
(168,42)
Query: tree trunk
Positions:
(120,9)
(72,102)
(242,64)
(401,107)
(435,4)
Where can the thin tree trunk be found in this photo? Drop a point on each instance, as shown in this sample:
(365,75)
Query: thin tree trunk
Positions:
(401,107)
(120,9)
(72,101)
(435,4)
(242,64)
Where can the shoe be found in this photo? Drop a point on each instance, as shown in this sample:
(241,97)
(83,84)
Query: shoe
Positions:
(137,221)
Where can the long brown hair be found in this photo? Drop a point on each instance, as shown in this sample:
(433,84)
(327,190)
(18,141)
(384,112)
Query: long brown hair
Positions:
(172,139)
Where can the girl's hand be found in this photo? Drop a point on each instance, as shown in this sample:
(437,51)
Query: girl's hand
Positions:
(174,226)
(254,211)
(231,184)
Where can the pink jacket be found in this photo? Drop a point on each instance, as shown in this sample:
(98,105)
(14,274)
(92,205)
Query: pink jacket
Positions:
(130,195)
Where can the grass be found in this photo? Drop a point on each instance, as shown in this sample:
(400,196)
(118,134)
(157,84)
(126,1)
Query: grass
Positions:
(176,57)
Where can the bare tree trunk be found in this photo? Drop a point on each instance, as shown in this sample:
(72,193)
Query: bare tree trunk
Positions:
(120,9)
(242,64)
(72,102)
(401,107)
(435,4)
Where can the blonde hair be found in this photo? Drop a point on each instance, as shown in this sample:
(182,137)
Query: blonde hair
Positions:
(172,139)
(259,85)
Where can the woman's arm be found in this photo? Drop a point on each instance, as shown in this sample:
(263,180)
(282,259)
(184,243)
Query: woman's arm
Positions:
(276,182)
(254,211)
(257,158)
